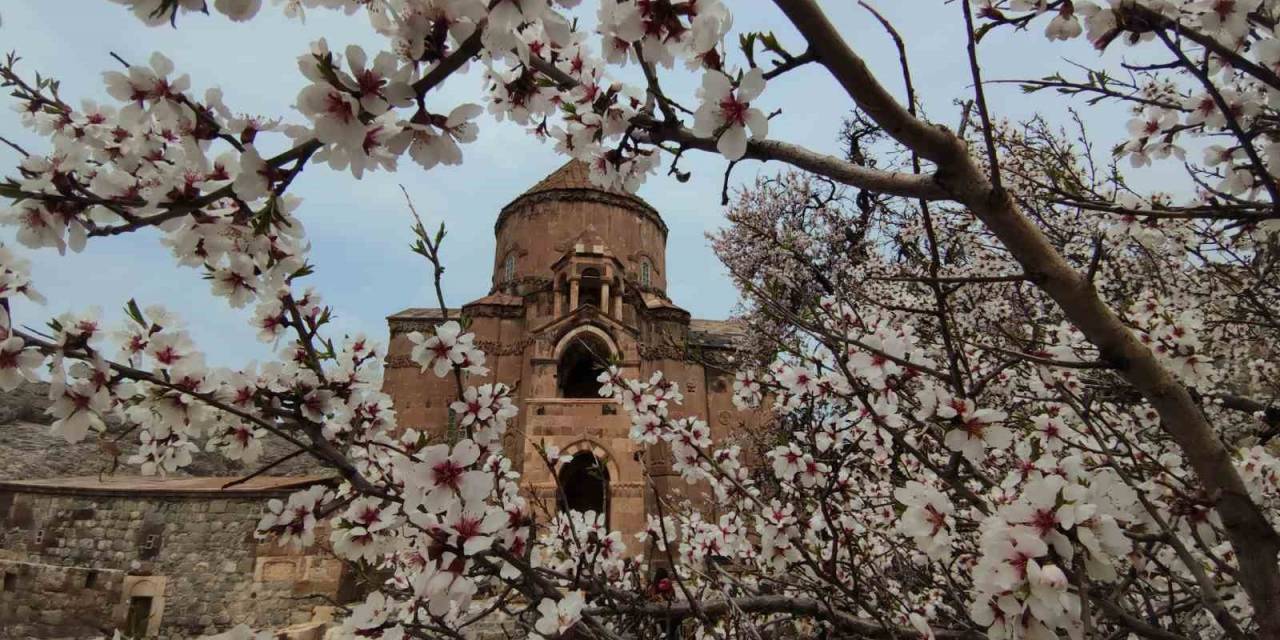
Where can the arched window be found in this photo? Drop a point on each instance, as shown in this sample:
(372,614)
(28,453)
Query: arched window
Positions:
(509,268)
(646,273)
(580,366)
(584,485)
(589,288)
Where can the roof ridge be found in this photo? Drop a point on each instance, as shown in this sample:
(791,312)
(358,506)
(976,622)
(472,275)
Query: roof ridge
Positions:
(575,174)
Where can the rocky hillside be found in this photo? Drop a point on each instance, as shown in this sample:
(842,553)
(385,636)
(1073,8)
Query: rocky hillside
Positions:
(29,451)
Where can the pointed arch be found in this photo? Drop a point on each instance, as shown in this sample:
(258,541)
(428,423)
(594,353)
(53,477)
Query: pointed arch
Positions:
(586,481)
(580,357)
(568,337)
(596,449)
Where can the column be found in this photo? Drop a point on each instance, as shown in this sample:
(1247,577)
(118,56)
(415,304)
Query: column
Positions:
(604,298)
(559,304)
(573,294)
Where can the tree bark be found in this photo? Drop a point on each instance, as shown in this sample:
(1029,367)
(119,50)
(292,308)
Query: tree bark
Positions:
(1256,544)
(844,622)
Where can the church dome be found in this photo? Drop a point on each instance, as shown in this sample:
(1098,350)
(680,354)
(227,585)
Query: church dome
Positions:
(563,213)
(572,181)
(575,174)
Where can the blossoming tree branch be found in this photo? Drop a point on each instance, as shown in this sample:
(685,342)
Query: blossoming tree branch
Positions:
(1014,396)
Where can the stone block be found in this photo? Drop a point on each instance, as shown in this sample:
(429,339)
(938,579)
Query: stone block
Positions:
(51,581)
(278,569)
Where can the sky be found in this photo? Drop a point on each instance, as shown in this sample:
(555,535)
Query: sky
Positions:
(359,229)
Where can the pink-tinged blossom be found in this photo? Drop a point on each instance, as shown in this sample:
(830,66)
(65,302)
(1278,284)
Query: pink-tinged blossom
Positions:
(15,279)
(17,363)
(929,518)
(441,351)
(238,10)
(471,525)
(1227,19)
(555,617)
(437,140)
(294,521)
(254,176)
(726,112)
(335,115)
(486,410)
(747,390)
(78,408)
(364,530)
(440,477)
(241,442)
(977,430)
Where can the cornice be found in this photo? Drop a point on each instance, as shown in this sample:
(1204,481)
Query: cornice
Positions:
(588,195)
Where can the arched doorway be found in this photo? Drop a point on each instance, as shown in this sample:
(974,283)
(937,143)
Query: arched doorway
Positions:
(584,485)
(581,362)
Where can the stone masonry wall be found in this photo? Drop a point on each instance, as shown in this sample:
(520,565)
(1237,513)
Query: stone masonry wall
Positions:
(196,557)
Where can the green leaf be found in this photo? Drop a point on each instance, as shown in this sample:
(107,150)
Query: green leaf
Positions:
(11,190)
(305,270)
(747,42)
(134,313)
(770,42)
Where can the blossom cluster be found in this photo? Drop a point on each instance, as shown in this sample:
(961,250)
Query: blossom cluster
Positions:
(939,445)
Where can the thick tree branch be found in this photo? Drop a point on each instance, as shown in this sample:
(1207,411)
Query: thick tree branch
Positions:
(784,604)
(930,141)
(892,183)
(658,131)
(1251,535)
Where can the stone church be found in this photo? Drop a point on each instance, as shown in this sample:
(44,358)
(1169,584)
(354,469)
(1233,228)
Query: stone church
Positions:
(579,280)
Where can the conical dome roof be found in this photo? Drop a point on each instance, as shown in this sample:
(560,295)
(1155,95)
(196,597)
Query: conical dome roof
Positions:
(575,176)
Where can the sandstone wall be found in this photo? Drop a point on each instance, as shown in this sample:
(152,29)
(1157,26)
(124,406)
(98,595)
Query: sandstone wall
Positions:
(538,230)
(574,261)
(72,563)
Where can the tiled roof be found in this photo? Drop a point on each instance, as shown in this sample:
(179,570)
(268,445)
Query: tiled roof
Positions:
(125,485)
(423,313)
(433,313)
(716,333)
(498,298)
(576,175)
(655,301)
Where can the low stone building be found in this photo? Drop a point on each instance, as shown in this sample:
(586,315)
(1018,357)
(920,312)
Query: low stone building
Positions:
(579,281)
(162,558)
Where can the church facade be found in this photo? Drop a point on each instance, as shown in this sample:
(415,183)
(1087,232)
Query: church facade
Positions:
(579,280)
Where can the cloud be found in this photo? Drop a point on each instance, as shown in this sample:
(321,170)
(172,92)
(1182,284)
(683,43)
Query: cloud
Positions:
(360,229)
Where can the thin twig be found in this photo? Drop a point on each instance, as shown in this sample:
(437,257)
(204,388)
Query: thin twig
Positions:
(278,462)
(13,145)
(988,134)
